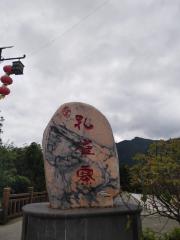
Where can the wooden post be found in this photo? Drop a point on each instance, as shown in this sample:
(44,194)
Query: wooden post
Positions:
(47,198)
(15,206)
(18,207)
(46,193)
(5,203)
(30,190)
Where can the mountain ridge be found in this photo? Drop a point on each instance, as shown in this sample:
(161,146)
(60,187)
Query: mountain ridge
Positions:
(129,148)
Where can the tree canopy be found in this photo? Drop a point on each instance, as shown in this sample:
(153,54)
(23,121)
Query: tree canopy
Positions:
(21,168)
(159,176)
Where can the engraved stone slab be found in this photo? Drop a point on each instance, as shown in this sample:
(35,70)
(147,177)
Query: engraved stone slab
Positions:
(80,158)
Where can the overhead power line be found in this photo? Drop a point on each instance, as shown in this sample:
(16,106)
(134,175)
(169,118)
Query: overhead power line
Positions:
(68,30)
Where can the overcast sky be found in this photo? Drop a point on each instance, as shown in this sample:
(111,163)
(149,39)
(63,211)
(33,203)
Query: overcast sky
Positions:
(123,59)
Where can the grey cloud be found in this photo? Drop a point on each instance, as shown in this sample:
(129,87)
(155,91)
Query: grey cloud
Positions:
(123,60)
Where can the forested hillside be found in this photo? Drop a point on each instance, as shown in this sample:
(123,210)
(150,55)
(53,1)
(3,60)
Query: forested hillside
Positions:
(129,148)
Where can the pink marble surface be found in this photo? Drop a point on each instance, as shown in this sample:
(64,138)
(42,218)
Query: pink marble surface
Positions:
(80,158)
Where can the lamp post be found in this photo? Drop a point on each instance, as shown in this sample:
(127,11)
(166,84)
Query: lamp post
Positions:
(16,68)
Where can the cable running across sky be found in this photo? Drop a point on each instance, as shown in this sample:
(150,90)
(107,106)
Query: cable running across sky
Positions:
(68,30)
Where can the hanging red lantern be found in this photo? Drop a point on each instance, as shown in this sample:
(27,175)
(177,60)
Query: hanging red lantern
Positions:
(4,91)
(6,80)
(7,69)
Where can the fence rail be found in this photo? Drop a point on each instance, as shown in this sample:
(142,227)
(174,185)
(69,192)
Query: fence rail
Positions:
(12,203)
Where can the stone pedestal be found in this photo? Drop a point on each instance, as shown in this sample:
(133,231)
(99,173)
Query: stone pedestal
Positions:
(42,223)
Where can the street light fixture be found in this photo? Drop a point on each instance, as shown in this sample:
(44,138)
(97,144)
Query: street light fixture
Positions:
(17,67)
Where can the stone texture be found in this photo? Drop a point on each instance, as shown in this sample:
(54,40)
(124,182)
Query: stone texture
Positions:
(80,158)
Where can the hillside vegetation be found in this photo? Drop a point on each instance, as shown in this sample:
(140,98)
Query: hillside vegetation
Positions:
(21,167)
(129,148)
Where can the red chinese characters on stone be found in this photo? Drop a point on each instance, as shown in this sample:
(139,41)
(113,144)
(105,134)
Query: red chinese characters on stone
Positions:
(85,150)
(66,111)
(85,175)
(79,118)
(88,127)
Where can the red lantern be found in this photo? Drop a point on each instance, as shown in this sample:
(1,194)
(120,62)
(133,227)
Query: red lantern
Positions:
(7,69)
(6,80)
(4,90)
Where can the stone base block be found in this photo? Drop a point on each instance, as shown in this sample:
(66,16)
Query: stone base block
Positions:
(42,223)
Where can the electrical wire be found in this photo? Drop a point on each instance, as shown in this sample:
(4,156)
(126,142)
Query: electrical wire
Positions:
(68,30)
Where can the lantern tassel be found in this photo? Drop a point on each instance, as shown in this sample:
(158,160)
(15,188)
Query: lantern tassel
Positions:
(2,96)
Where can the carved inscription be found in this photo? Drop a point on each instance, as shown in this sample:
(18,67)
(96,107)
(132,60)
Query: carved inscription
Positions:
(85,175)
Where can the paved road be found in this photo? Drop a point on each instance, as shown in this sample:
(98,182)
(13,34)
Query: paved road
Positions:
(12,230)
(156,222)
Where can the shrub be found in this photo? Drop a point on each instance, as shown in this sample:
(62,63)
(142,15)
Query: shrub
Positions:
(149,234)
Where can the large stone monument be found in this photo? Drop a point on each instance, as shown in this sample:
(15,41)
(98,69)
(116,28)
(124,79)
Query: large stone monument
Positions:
(82,178)
(80,158)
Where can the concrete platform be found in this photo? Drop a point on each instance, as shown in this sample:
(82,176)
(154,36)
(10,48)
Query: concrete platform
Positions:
(42,223)
(12,230)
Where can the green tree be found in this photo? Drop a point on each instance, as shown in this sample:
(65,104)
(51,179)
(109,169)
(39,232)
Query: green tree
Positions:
(4,181)
(19,162)
(7,167)
(159,176)
(21,168)
(6,157)
(125,178)
(35,166)
(1,120)
(19,184)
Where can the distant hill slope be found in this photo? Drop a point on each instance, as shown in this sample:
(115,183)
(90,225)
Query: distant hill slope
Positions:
(129,148)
